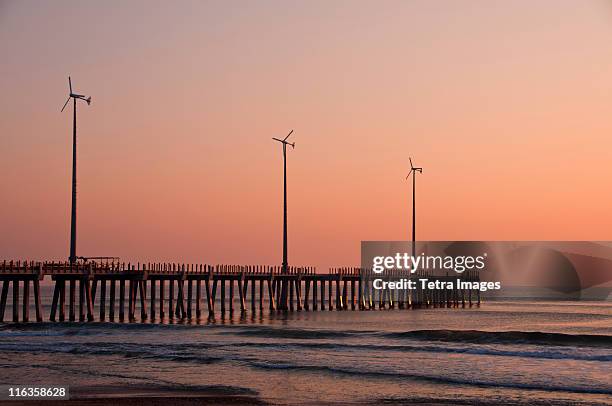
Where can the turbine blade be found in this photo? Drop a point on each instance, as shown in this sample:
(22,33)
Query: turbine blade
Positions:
(65,104)
(70,84)
(411,166)
(276,139)
(409,174)
(290,132)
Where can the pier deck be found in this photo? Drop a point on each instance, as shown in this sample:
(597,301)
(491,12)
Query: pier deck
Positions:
(158,291)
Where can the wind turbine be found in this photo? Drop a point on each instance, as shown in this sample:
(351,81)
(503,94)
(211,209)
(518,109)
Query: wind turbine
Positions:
(413,171)
(285,262)
(74,97)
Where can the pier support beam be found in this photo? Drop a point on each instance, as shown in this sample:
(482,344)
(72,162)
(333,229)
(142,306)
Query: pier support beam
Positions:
(111,303)
(3,296)
(38,301)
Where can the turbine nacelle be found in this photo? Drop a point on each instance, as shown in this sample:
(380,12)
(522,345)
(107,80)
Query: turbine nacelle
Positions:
(413,169)
(75,95)
(284,140)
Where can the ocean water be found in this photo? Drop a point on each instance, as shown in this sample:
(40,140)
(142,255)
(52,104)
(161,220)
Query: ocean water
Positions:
(504,352)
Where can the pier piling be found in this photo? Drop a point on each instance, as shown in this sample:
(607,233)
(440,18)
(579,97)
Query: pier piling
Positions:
(347,288)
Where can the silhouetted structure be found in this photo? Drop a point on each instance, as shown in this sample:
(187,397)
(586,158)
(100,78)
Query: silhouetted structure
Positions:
(284,141)
(72,258)
(354,289)
(413,171)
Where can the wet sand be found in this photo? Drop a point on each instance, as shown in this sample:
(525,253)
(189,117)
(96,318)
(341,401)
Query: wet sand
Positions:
(149,401)
(250,401)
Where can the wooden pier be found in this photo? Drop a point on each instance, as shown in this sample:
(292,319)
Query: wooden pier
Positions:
(168,291)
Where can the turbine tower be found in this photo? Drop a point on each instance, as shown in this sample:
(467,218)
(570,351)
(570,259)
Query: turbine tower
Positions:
(74,98)
(284,141)
(413,171)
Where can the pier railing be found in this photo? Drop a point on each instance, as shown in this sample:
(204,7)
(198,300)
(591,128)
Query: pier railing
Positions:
(156,291)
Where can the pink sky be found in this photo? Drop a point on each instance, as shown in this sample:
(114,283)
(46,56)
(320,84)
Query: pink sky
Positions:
(506,104)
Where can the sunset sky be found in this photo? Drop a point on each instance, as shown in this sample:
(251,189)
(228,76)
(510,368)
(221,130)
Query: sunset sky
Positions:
(507,105)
